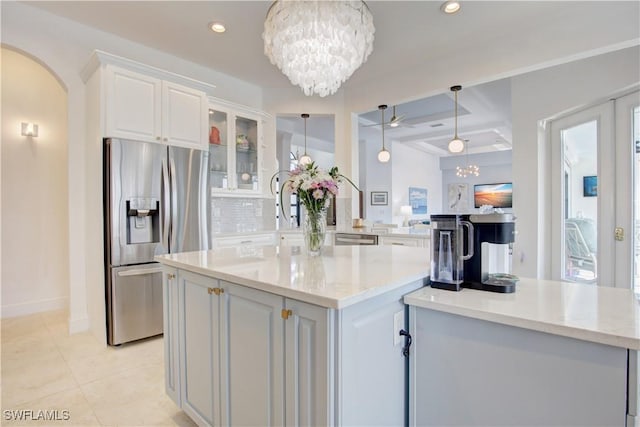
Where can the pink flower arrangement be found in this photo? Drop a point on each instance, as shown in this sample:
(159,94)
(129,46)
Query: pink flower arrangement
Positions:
(314,186)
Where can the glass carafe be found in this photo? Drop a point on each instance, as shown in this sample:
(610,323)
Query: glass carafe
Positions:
(448,236)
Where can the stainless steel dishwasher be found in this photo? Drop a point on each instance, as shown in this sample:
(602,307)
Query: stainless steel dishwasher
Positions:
(345,239)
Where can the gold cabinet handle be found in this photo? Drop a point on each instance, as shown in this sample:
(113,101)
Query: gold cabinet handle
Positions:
(285,313)
(216,291)
(171,276)
(210,290)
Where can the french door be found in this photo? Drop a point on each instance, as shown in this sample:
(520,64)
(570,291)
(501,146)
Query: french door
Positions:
(595,194)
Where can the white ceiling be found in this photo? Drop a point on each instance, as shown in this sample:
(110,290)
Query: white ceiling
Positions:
(407,33)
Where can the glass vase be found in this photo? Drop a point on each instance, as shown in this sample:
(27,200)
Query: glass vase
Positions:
(314,229)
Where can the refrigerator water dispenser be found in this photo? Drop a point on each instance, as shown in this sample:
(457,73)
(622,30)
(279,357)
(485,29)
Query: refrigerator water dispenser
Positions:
(143,224)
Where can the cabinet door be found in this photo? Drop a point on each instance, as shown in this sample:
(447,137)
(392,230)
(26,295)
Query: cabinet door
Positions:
(309,379)
(132,105)
(171,334)
(246,151)
(218,148)
(199,348)
(184,116)
(251,356)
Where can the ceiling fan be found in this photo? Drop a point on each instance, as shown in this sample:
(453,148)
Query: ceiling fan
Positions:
(393,122)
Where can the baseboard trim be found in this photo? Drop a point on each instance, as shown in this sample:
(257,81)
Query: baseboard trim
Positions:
(26,308)
(78,325)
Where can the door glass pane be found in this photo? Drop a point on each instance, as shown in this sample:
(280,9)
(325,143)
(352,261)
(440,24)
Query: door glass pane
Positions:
(580,150)
(636,199)
(247,153)
(218,149)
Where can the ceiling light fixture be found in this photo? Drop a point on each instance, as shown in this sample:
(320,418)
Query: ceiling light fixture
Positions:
(456,145)
(217,27)
(451,6)
(383,155)
(305,159)
(318,44)
(470,169)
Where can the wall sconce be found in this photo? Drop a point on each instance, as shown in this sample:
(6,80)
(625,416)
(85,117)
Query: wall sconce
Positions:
(29,129)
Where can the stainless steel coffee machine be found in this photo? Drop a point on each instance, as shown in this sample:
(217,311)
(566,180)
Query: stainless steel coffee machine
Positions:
(472,251)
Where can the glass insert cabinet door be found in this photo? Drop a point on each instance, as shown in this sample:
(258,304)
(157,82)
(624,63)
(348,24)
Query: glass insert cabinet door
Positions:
(246,153)
(218,146)
(595,194)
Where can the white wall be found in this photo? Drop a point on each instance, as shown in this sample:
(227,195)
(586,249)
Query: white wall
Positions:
(35,238)
(537,96)
(377,177)
(414,168)
(65,47)
(494,168)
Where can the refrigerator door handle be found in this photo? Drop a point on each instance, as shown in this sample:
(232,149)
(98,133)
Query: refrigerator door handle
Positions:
(166,192)
(174,206)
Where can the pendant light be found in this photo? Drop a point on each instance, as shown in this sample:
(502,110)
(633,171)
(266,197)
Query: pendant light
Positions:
(456,145)
(305,159)
(383,155)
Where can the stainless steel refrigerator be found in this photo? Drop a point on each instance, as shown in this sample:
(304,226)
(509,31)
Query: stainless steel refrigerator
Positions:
(155,202)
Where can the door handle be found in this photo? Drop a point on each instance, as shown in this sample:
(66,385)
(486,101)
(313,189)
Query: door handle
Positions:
(174,206)
(405,349)
(619,234)
(166,194)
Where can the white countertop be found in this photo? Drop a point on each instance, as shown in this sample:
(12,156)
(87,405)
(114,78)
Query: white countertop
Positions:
(587,312)
(342,276)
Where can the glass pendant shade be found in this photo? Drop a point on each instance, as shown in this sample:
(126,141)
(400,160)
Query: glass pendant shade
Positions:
(318,44)
(456,145)
(305,159)
(384,156)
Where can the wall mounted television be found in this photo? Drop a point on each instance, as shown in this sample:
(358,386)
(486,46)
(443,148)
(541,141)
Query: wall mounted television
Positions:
(498,195)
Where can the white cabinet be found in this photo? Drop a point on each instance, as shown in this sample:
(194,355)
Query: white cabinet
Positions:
(146,108)
(239,240)
(171,333)
(236,143)
(416,242)
(307,365)
(249,357)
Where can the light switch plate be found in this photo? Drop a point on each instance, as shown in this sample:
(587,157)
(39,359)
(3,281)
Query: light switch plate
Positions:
(398,324)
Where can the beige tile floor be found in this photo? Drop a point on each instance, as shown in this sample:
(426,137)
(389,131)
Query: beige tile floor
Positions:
(78,380)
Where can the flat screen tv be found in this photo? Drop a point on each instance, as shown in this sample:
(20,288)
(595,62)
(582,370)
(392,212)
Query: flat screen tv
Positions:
(498,195)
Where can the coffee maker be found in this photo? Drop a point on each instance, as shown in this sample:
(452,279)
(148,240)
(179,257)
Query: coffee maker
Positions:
(472,251)
(489,268)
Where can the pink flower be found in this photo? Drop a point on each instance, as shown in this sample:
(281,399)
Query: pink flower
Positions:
(318,194)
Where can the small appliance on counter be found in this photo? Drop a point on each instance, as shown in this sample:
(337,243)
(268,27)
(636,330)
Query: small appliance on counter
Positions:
(447,251)
(473,251)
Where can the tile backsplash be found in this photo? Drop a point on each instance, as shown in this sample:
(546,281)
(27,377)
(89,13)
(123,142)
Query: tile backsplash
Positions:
(241,215)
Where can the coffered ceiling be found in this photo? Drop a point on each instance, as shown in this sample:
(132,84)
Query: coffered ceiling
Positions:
(409,35)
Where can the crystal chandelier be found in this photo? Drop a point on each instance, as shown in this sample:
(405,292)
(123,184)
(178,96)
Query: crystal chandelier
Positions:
(318,44)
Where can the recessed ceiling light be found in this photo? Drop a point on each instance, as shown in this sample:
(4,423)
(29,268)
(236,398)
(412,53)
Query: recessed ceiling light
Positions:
(451,6)
(217,27)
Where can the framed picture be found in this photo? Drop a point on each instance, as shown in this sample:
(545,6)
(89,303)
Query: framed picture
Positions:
(590,186)
(458,197)
(418,200)
(379,198)
(498,195)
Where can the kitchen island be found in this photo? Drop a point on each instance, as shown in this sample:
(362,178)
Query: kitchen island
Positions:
(265,335)
(552,353)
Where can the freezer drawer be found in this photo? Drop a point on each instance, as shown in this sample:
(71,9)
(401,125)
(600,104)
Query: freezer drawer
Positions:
(134,303)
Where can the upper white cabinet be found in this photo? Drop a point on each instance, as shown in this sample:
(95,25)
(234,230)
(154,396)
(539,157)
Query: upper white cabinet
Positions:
(236,144)
(146,108)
